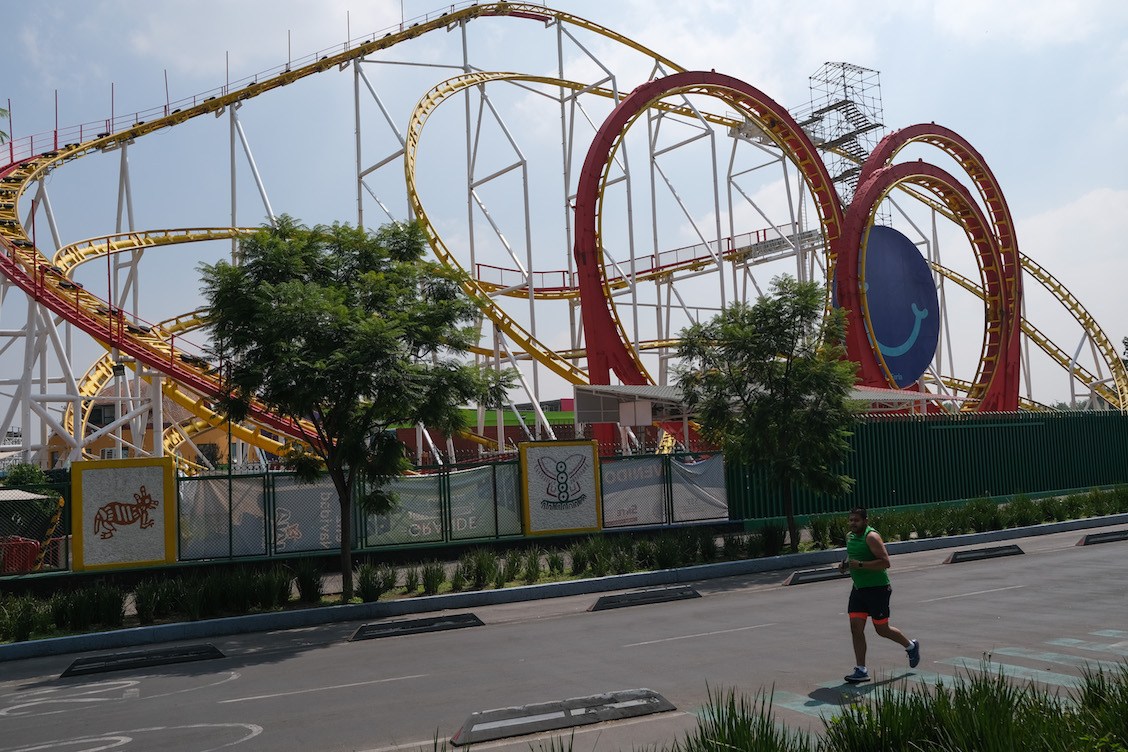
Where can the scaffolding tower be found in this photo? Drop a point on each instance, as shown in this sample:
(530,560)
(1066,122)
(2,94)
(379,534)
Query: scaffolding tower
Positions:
(844,119)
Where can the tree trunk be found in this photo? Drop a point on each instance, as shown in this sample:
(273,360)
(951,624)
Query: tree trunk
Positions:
(346,549)
(789,510)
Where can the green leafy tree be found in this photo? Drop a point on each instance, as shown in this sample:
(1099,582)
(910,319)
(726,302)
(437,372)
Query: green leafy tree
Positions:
(354,333)
(3,135)
(769,384)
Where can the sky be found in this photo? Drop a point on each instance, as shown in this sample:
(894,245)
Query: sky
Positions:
(1038,87)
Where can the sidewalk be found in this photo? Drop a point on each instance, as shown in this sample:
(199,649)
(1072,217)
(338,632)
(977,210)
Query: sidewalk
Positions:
(425,604)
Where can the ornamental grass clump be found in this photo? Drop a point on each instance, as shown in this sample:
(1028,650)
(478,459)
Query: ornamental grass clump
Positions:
(307,576)
(434,575)
(820,530)
(731,722)
(368,585)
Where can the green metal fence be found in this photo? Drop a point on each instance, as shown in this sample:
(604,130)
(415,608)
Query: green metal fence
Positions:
(904,460)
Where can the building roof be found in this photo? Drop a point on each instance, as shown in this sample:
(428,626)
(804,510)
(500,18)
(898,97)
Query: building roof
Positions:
(600,403)
(15,494)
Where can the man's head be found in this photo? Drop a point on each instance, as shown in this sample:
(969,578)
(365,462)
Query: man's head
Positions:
(857,520)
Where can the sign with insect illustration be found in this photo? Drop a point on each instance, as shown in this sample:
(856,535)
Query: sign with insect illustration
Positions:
(560,484)
(123,513)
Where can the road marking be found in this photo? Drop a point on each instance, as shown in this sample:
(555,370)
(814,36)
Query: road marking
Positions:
(1065,660)
(323,689)
(1116,648)
(976,592)
(1013,672)
(850,694)
(699,634)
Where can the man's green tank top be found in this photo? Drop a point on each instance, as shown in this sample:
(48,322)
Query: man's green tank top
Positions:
(857,548)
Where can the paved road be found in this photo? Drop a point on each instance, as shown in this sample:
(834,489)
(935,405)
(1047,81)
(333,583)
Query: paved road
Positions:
(1037,616)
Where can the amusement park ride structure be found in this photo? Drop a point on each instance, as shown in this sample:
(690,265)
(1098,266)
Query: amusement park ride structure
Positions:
(596,211)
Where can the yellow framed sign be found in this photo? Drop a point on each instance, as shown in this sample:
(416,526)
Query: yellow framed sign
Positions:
(123,513)
(560,487)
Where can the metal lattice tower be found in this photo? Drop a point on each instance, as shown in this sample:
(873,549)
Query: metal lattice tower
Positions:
(844,119)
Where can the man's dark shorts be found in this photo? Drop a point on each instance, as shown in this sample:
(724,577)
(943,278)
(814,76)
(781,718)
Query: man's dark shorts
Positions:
(870,601)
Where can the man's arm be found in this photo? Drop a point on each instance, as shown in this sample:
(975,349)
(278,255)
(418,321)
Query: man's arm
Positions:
(877,548)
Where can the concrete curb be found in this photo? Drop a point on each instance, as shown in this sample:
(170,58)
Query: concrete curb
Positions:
(194,630)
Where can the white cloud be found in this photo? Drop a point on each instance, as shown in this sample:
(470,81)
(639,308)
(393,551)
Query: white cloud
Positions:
(1029,23)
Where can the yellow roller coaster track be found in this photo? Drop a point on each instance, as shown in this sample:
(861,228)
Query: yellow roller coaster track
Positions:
(1112,396)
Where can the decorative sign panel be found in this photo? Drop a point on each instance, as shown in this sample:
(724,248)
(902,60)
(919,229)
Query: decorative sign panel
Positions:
(560,483)
(124,513)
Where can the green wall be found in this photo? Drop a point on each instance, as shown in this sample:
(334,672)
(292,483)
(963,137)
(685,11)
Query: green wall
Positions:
(905,459)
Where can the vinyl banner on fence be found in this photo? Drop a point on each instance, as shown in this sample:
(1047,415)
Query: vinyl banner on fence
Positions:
(222,516)
(123,513)
(698,489)
(307,516)
(472,494)
(560,486)
(417,516)
(634,491)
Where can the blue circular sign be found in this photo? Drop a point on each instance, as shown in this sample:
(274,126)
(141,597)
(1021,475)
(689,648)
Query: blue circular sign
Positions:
(903,313)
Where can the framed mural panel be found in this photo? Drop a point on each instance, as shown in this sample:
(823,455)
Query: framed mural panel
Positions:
(560,487)
(123,513)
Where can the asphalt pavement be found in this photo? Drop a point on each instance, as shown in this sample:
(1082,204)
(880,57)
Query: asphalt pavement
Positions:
(1038,616)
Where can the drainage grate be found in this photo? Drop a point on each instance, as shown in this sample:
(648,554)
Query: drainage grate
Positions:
(141,659)
(976,554)
(553,716)
(644,597)
(1110,537)
(815,575)
(415,626)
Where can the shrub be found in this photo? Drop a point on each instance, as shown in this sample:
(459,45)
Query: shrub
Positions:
(273,587)
(22,616)
(531,568)
(555,563)
(411,580)
(623,558)
(388,577)
(838,529)
(307,576)
(900,524)
(1098,503)
(512,565)
(1074,507)
(482,565)
(773,537)
(732,547)
(110,604)
(434,575)
(458,578)
(1020,511)
(668,552)
(499,578)
(820,530)
(368,584)
(706,545)
(754,544)
(240,590)
(1051,509)
(146,597)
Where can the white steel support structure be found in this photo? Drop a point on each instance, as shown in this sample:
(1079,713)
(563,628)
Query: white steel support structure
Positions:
(701,208)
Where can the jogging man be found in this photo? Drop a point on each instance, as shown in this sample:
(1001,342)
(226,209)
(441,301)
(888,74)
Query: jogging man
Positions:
(867,561)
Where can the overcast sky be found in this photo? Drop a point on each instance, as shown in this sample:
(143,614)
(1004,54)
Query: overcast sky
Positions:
(1039,87)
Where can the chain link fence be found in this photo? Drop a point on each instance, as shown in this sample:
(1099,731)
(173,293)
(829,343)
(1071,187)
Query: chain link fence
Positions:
(34,529)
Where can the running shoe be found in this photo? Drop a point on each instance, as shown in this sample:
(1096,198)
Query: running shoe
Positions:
(914,654)
(860,675)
